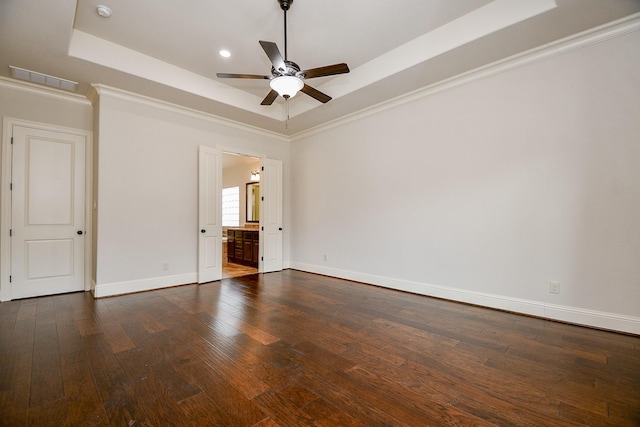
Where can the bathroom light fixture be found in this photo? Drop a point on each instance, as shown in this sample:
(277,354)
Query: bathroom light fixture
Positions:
(255,176)
(225,53)
(286,86)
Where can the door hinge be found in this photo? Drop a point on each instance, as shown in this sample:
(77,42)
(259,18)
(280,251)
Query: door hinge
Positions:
(262,228)
(11,140)
(9,279)
(262,166)
(262,198)
(10,232)
(261,258)
(11,186)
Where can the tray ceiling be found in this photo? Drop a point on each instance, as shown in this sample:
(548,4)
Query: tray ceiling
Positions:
(166,50)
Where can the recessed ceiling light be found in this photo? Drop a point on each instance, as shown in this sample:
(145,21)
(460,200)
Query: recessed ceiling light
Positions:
(103,11)
(225,53)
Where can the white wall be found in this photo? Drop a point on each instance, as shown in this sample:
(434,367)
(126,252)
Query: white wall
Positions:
(488,191)
(148,187)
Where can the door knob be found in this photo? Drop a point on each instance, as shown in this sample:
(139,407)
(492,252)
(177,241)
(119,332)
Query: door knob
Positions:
(203,231)
(79,232)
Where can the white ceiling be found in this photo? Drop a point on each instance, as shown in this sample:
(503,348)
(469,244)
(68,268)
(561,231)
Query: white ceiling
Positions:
(168,49)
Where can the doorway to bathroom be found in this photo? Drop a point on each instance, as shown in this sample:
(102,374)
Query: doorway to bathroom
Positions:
(260,242)
(240,214)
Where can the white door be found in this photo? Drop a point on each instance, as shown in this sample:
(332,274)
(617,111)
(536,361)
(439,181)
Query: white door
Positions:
(47,217)
(209,215)
(271,216)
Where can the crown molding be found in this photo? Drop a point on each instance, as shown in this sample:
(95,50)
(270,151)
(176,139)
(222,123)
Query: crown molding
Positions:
(620,27)
(104,90)
(43,90)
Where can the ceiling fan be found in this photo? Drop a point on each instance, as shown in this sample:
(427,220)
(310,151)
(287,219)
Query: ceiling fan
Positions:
(286,77)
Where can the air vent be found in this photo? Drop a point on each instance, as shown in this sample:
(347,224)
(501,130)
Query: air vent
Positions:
(43,79)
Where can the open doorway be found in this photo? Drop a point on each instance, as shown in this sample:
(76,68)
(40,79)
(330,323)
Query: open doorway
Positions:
(240,214)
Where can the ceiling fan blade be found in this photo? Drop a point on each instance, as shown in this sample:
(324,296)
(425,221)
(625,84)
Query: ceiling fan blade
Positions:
(315,93)
(241,76)
(329,70)
(271,96)
(272,51)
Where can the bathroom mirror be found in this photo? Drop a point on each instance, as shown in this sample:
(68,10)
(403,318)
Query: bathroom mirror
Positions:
(253,202)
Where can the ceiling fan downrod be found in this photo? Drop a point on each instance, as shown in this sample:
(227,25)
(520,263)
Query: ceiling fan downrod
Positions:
(285,5)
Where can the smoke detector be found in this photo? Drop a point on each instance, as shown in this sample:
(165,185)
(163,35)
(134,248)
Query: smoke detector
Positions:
(103,11)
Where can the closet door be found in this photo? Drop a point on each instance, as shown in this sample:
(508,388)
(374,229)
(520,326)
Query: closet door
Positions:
(47,212)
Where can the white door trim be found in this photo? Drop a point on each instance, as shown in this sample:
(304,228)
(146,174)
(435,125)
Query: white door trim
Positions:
(5,199)
(261,156)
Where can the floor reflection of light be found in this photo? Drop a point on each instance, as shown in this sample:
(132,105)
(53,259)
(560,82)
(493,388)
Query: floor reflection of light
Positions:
(228,321)
(233,312)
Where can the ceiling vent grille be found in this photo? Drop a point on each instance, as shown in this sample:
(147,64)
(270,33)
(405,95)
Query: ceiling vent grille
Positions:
(43,79)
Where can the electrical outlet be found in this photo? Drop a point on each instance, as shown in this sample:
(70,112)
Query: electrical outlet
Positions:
(554,287)
(165,265)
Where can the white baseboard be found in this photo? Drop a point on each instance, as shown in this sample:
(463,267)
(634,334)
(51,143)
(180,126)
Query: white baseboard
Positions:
(579,316)
(119,288)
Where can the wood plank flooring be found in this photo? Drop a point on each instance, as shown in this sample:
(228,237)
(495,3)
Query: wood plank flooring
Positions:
(230,269)
(297,349)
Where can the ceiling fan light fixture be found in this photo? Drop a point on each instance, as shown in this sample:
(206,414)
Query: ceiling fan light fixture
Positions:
(286,86)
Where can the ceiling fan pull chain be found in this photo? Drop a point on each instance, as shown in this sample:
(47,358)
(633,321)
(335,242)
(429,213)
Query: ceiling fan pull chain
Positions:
(286,122)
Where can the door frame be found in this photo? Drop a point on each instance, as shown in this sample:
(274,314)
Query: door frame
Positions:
(233,150)
(6,159)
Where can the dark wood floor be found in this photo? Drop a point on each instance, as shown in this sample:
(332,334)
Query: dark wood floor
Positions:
(296,349)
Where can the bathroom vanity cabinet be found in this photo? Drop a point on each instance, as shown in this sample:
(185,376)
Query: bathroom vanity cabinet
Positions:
(243,246)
